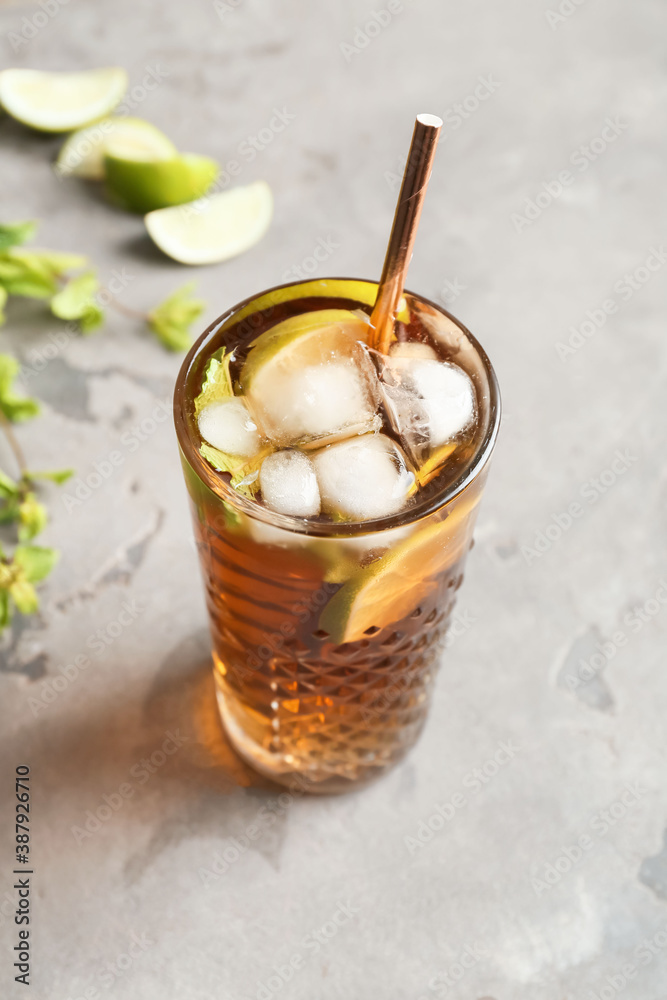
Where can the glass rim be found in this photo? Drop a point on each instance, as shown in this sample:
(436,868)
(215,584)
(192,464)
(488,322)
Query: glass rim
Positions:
(323,529)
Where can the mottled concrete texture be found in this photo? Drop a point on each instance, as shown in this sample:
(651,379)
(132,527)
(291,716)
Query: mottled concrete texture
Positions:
(502,895)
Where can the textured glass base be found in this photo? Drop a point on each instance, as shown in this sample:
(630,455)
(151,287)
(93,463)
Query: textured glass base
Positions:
(330,759)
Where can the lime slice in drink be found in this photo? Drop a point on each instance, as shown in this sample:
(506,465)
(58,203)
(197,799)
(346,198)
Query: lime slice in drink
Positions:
(82,154)
(391,587)
(60,102)
(434,463)
(307,339)
(144,185)
(216,228)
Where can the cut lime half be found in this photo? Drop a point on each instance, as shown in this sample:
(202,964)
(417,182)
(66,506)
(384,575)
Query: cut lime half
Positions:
(82,154)
(215,228)
(60,102)
(142,185)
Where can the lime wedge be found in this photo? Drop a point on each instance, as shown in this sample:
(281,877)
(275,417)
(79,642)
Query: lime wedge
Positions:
(216,228)
(82,154)
(392,586)
(432,466)
(307,339)
(144,185)
(60,102)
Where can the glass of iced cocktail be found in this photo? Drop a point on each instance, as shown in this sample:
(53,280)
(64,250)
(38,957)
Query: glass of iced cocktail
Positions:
(334,493)
(335,436)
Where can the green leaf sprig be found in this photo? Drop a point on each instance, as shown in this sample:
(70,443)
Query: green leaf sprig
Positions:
(19,504)
(172,319)
(28,565)
(49,274)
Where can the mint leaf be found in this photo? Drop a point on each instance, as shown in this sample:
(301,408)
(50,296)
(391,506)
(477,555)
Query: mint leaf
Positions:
(58,262)
(5,610)
(29,565)
(219,460)
(36,562)
(244,472)
(34,274)
(13,233)
(24,597)
(217,384)
(4,295)
(77,302)
(33,517)
(8,488)
(10,511)
(171,319)
(10,498)
(22,273)
(55,475)
(15,408)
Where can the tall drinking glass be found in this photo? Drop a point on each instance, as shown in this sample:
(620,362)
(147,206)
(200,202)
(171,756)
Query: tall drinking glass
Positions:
(327,635)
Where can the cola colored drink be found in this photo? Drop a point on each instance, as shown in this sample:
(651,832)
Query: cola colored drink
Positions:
(327,630)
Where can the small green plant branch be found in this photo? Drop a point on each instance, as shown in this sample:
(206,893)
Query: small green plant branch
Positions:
(74,292)
(19,505)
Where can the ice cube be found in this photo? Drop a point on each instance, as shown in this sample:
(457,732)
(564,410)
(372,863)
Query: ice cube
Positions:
(363,478)
(228,426)
(318,404)
(289,485)
(428,402)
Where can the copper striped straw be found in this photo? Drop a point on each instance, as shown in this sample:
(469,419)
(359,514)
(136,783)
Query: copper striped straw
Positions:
(404,229)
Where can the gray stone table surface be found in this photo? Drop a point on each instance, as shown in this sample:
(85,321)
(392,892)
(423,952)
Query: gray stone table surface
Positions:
(543,231)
